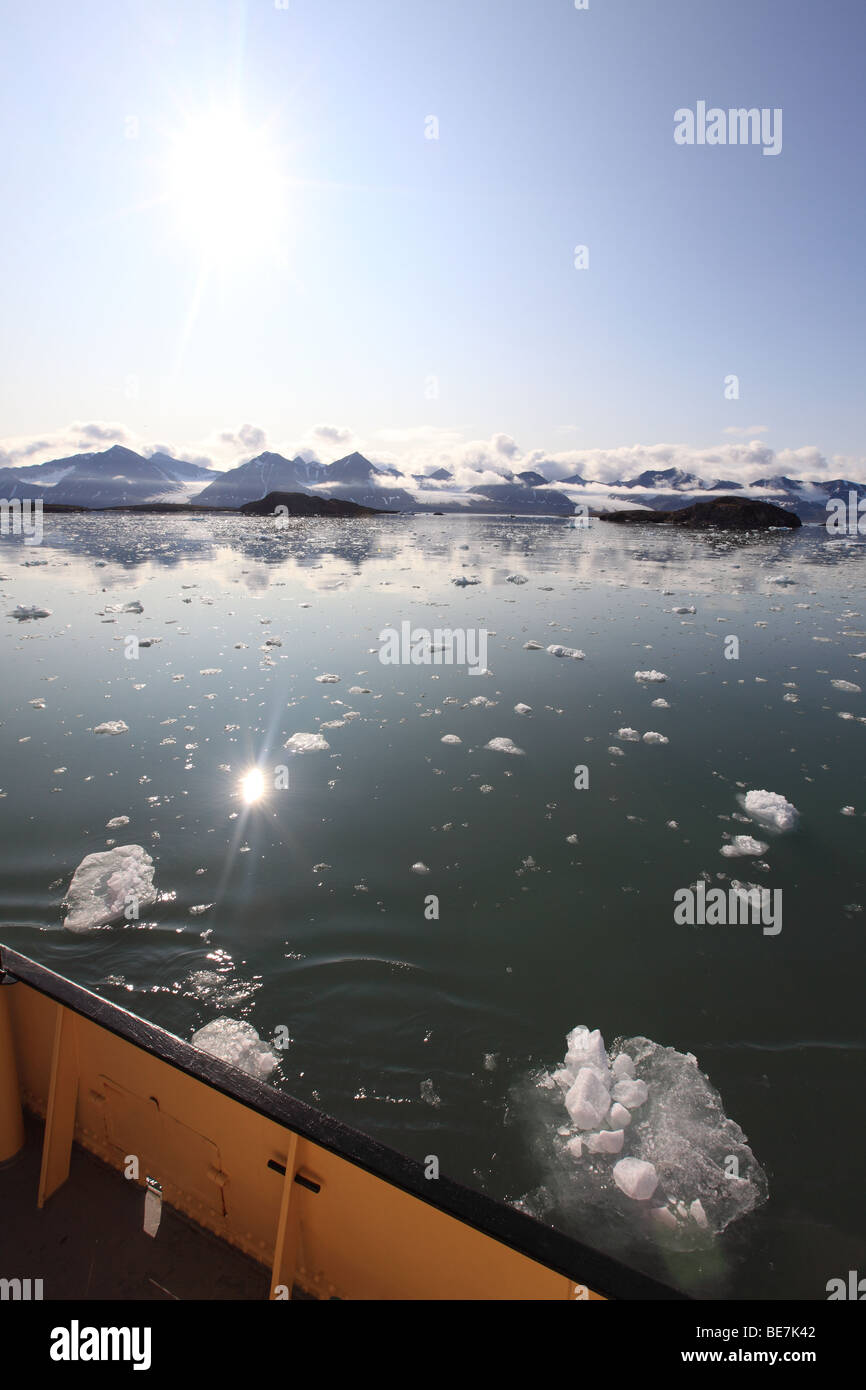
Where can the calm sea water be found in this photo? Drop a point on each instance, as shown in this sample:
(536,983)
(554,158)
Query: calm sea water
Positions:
(426,1032)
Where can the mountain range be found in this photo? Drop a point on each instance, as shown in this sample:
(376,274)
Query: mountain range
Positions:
(119,477)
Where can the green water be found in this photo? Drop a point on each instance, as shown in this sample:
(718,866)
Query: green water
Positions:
(423,1031)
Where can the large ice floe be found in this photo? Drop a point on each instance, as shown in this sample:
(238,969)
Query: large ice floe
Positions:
(105,884)
(635,1146)
(771,809)
(238,1043)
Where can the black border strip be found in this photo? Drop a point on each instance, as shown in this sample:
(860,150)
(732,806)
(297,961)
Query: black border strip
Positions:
(513,1228)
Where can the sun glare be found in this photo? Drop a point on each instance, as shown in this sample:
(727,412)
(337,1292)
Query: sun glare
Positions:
(253,786)
(225,186)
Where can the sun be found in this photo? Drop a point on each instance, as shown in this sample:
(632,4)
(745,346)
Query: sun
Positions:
(253,786)
(226,186)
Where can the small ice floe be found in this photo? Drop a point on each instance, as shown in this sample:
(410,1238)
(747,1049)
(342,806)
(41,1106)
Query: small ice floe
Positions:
(628,735)
(647,1118)
(571,652)
(419,868)
(199,909)
(112,726)
(105,884)
(211,671)
(24,614)
(533,646)
(482,702)
(462,581)
(781,579)
(116,822)
(847,685)
(660,703)
(450,738)
(307,743)
(359,690)
(652,737)
(771,809)
(848,811)
(504,745)
(515,579)
(617,752)
(36,704)
(572,840)
(327,679)
(690,609)
(133,607)
(523,709)
(237,1043)
(743,846)
(650,677)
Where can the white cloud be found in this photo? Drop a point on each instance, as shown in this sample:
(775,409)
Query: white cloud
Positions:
(422,449)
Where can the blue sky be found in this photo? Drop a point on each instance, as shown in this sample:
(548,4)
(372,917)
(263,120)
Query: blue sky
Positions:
(393,259)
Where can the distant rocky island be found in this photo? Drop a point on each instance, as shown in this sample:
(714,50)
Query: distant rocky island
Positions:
(718,513)
(301,504)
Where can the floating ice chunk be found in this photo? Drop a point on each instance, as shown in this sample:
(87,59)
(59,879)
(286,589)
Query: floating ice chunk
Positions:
(628,735)
(743,845)
(359,690)
(515,579)
(307,743)
(112,726)
(607,1141)
(697,1213)
(847,685)
(630,1092)
(199,909)
(772,809)
(575,1147)
(462,581)
(237,1043)
(523,709)
(690,609)
(660,704)
(848,811)
(419,868)
(650,677)
(23,613)
(116,822)
(585,1049)
(37,704)
(450,738)
(572,652)
(588,1101)
(504,745)
(620,1118)
(328,679)
(133,607)
(781,579)
(652,737)
(635,1178)
(623,1066)
(533,647)
(105,884)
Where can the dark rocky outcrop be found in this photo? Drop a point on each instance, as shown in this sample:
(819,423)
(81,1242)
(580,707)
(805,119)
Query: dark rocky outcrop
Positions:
(301,504)
(720,513)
